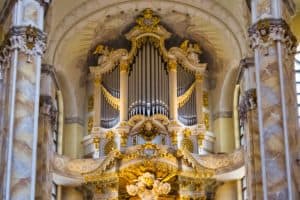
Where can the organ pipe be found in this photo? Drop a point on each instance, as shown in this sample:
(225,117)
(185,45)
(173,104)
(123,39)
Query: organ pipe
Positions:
(149,79)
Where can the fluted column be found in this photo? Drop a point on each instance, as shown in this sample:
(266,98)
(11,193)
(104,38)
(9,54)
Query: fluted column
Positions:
(26,42)
(123,91)
(273,45)
(172,66)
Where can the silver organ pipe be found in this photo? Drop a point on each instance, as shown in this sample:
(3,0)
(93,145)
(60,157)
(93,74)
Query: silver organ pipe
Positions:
(187,113)
(109,115)
(148,83)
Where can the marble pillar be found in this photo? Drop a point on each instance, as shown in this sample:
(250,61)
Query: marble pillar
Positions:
(273,42)
(97,100)
(26,41)
(48,139)
(249,122)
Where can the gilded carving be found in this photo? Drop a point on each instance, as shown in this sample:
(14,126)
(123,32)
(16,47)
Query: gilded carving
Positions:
(90,124)
(109,146)
(185,97)
(91,103)
(148,22)
(206,120)
(113,101)
(205,99)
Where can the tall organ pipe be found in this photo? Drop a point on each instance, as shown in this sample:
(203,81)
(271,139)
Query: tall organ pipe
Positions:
(149,79)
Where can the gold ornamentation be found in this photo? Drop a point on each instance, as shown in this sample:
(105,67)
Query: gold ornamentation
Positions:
(31,36)
(90,124)
(96,141)
(91,103)
(201,137)
(174,137)
(205,99)
(184,98)
(172,65)
(148,22)
(109,146)
(97,80)
(206,120)
(124,65)
(187,144)
(146,181)
(199,77)
(113,101)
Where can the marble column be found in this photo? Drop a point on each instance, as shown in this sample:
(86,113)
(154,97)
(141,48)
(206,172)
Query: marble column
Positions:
(48,131)
(4,79)
(172,66)
(273,45)
(27,44)
(123,91)
(249,122)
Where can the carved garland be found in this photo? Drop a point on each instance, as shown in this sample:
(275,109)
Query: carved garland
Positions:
(184,98)
(113,101)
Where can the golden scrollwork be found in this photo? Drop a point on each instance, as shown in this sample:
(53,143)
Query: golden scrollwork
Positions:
(90,124)
(148,22)
(184,98)
(187,144)
(206,120)
(113,101)
(109,146)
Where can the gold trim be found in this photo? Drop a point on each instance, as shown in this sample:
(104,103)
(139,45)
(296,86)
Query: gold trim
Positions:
(113,101)
(183,99)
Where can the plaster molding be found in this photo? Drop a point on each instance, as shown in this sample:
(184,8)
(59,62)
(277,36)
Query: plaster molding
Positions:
(266,32)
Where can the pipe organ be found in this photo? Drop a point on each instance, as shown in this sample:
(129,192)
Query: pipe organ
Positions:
(148,102)
(148,83)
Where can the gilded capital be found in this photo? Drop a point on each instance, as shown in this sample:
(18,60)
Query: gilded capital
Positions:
(97,80)
(172,65)
(124,66)
(199,77)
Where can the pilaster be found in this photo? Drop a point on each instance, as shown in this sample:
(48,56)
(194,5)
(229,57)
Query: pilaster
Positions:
(21,54)
(273,45)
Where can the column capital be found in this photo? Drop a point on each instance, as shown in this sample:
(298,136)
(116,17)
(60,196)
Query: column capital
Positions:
(124,66)
(265,32)
(199,77)
(172,65)
(97,80)
(27,39)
